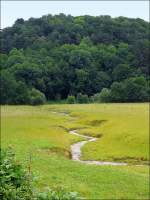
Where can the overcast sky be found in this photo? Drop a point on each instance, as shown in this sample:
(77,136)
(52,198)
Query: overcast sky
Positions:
(11,10)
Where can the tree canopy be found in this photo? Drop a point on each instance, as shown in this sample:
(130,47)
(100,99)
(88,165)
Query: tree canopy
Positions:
(60,56)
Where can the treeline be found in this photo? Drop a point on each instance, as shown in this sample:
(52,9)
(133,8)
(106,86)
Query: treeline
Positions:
(54,57)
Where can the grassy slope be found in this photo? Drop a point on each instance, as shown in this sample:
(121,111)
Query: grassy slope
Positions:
(122,128)
(38,131)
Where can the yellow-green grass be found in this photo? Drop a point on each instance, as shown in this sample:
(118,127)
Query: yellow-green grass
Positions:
(124,134)
(44,134)
(122,129)
(36,128)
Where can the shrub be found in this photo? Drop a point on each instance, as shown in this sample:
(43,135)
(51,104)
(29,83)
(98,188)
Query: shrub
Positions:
(71,99)
(105,95)
(58,194)
(136,89)
(118,92)
(95,98)
(82,98)
(37,97)
(16,183)
(21,94)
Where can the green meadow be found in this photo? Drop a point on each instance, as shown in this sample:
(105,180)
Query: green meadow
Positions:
(42,134)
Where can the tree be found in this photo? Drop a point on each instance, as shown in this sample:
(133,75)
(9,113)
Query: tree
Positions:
(15,57)
(12,91)
(105,95)
(121,71)
(3,59)
(136,89)
(81,80)
(7,88)
(21,93)
(82,98)
(61,55)
(71,99)
(142,54)
(118,92)
(36,97)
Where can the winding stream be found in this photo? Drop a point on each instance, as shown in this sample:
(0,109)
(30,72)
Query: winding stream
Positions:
(76,150)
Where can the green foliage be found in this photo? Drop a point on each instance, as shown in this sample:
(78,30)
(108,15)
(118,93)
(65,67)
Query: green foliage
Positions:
(136,89)
(36,97)
(95,98)
(16,183)
(105,95)
(21,93)
(128,90)
(15,56)
(7,87)
(17,92)
(117,92)
(121,72)
(61,55)
(14,180)
(82,98)
(58,194)
(71,99)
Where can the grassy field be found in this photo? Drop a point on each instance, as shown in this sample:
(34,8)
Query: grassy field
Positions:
(122,130)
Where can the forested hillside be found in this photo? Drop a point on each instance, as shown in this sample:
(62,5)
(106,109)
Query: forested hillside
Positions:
(55,56)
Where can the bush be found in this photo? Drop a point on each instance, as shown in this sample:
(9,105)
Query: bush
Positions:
(82,98)
(21,94)
(136,89)
(71,99)
(37,97)
(118,92)
(17,184)
(105,95)
(95,98)
(58,194)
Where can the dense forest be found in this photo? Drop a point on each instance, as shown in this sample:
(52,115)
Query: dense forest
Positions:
(53,57)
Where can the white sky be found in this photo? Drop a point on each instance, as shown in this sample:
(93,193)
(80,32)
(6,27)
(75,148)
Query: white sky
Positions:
(11,10)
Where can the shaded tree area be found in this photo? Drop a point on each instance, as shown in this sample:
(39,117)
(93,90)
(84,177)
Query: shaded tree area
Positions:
(53,57)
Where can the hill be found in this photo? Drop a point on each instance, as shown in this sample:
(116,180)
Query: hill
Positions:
(55,56)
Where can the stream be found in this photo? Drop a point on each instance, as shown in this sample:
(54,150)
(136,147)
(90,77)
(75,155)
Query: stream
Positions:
(76,150)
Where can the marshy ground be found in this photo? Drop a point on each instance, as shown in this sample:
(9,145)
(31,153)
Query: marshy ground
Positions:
(122,132)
